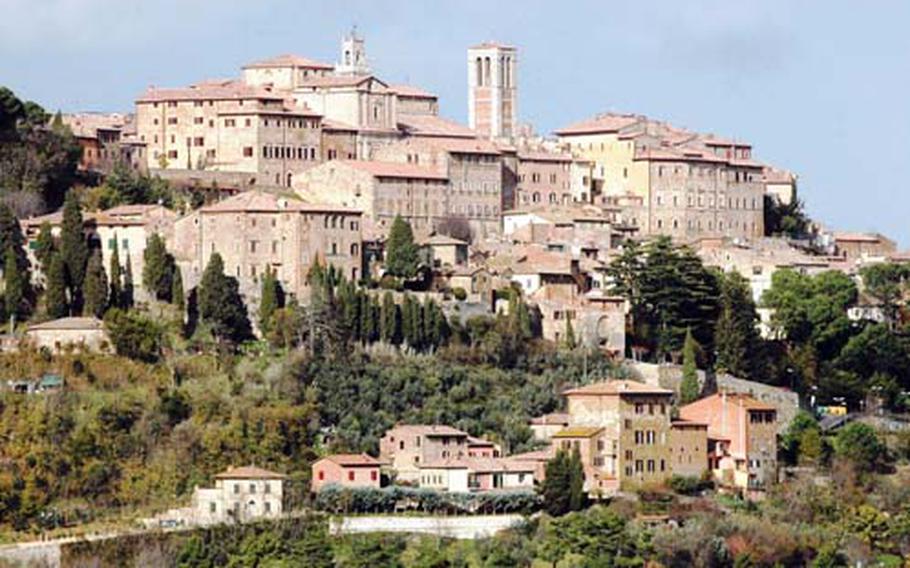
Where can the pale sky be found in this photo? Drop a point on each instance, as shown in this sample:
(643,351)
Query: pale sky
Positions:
(818,87)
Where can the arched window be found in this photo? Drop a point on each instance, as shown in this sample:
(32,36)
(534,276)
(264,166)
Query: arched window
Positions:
(552,198)
(535,197)
(347,57)
(486,71)
(479,71)
(354,249)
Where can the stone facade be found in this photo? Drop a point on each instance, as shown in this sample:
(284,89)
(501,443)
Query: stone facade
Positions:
(269,232)
(407,447)
(686,184)
(382,190)
(635,421)
(81,333)
(240,494)
(544,178)
(748,430)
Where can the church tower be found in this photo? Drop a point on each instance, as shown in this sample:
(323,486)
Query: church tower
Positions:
(353,56)
(493,90)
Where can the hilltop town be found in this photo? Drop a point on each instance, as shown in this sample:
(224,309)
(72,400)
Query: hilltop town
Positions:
(303,291)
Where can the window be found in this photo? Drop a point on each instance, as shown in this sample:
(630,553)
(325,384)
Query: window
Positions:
(247,151)
(172,120)
(267,488)
(252,488)
(213,508)
(268,507)
(639,466)
(230,122)
(253,244)
(373,476)
(199,141)
(350,476)
(236,488)
(198,120)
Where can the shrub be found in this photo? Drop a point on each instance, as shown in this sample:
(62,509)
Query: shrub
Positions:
(460,294)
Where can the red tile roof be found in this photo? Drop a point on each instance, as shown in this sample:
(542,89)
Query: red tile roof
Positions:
(429,125)
(411,92)
(340,81)
(620,388)
(395,170)
(353,460)
(249,472)
(491,45)
(261,201)
(604,123)
(208,90)
(538,156)
(429,430)
(554,418)
(289,60)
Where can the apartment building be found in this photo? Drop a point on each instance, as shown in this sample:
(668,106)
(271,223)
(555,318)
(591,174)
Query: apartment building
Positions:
(408,446)
(685,184)
(743,433)
(107,140)
(475,171)
(256,231)
(229,126)
(382,190)
(544,178)
(628,428)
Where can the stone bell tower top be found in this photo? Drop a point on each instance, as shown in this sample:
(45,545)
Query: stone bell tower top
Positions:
(353,55)
(493,89)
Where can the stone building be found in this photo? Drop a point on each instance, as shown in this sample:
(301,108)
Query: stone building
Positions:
(382,190)
(493,90)
(746,430)
(80,333)
(685,184)
(475,172)
(544,178)
(406,447)
(345,470)
(779,184)
(415,101)
(229,126)
(107,140)
(257,231)
(863,246)
(630,426)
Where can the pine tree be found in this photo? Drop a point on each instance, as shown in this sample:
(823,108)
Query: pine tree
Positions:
(220,303)
(115,294)
(178,298)
(45,247)
(688,388)
(55,300)
(390,320)
(95,286)
(401,251)
(158,272)
(128,297)
(73,248)
(737,340)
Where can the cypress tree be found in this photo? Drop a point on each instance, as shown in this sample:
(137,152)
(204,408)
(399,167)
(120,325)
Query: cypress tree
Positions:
(555,489)
(73,248)
(269,301)
(115,294)
(127,298)
(408,333)
(158,270)
(11,237)
(576,475)
(390,320)
(570,335)
(688,388)
(220,303)
(366,317)
(178,298)
(737,340)
(95,287)
(430,324)
(45,247)
(55,300)
(350,310)
(14,285)
(401,251)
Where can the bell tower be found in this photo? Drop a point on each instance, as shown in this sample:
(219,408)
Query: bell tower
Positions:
(493,90)
(353,55)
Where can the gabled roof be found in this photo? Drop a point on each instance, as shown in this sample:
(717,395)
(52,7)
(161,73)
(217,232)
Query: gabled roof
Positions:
(395,170)
(431,125)
(734,400)
(428,430)
(443,240)
(213,90)
(577,432)
(600,124)
(353,460)
(541,156)
(340,81)
(265,202)
(249,472)
(554,418)
(412,92)
(473,441)
(617,388)
(288,60)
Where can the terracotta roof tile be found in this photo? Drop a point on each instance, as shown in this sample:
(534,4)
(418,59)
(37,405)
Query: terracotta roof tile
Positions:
(429,125)
(412,92)
(257,200)
(249,472)
(353,460)
(214,90)
(289,60)
(578,432)
(621,388)
(395,170)
(604,123)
